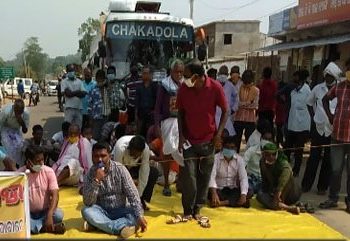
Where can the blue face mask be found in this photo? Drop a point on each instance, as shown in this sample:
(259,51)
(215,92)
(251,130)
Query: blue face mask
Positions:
(71,75)
(228,153)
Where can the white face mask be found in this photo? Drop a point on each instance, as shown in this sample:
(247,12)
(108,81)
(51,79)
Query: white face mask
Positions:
(189,83)
(37,168)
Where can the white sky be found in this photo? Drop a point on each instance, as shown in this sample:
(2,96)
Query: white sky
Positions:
(56,22)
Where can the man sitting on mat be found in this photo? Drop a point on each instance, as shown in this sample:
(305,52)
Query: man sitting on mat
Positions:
(228,184)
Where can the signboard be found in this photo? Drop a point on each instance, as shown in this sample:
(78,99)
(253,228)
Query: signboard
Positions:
(314,13)
(283,21)
(150,30)
(14,206)
(276,23)
(7,72)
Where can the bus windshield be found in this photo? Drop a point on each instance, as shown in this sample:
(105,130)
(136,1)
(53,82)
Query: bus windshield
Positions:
(146,43)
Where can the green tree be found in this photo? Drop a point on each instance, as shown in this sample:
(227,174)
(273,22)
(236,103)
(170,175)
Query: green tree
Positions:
(87,31)
(35,59)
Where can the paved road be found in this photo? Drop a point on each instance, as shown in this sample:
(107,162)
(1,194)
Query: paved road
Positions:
(47,114)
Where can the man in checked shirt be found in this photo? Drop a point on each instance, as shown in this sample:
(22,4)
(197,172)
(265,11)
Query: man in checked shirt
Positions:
(107,186)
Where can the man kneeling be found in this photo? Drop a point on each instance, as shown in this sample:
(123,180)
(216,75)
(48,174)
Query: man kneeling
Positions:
(279,190)
(228,184)
(107,186)
(43,194)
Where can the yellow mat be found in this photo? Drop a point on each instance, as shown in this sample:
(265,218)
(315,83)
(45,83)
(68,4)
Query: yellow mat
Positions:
(227,223)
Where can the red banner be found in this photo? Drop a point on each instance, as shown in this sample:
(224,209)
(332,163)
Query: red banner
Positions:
(314,13)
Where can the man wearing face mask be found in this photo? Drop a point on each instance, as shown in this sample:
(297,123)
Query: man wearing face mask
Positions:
(89,85)
(229,182)
(99,104)
(341,137)
(134,153)
(231,98)
(74,92)
(108,187)
(279,190)
(45,216)
(321,131)
(74,160)
(165,116)
(197,100)
(117,96)
(14,120)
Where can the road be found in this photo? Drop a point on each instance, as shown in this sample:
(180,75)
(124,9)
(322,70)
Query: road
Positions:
(48,115)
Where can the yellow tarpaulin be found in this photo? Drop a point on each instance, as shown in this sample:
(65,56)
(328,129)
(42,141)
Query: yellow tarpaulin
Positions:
(226,223)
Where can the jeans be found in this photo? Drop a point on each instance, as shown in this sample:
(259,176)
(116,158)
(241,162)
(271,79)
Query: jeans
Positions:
(338,162)
(313,162)
(247,127)
(109,221)
(37,220)
(195,176)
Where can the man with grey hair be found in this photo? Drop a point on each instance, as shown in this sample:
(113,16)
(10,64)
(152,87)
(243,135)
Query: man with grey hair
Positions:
(166,117)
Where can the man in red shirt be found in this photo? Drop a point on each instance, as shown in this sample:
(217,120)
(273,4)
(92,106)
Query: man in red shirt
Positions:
(341,139)
(267,100)
(197,100)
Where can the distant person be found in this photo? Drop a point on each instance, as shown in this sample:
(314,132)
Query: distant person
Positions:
(146,95)
(14,120)
(235,77)
(20,89)
(74,92)
(34,91)
(267,98)
(89,85)
(116,94)
(59,93)
(111,200)
(131,86)
(45,216)
(212,73)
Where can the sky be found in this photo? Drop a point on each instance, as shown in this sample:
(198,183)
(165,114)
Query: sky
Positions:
(56,22)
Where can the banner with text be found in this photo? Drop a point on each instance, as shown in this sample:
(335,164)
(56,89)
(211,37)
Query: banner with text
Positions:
(314,13)
(150,30)
(14,206)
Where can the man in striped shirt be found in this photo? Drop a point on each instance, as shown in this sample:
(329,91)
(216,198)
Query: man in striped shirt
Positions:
(107,188)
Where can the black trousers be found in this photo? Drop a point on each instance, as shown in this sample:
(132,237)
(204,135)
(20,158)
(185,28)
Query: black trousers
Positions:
(280,134)
(232,195)
(247,127)
(268,115)
(296,140)
(146,121)
(114,116)
(314,160)
(152,180)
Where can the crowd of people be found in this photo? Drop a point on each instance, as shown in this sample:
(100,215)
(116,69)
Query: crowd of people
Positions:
(116,144)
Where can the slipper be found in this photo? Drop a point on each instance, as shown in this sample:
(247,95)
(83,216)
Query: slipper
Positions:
(204,222)
(177,219)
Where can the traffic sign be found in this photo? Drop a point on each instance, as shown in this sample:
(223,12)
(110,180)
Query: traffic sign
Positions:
(7,72)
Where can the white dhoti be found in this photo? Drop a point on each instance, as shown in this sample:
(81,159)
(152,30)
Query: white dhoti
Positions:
(170,137)
(12,141)
(75,171)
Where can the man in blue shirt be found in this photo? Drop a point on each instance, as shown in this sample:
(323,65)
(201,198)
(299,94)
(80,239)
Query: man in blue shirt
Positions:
(20,89)
(89,85)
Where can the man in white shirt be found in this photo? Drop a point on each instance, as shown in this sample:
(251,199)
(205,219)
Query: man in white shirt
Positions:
(321,132)
(134,153)
(74,92)
(228,184)
(299,121)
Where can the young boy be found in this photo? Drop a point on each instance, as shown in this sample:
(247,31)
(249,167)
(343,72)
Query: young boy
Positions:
(45,216)
(228,184)
(87,133)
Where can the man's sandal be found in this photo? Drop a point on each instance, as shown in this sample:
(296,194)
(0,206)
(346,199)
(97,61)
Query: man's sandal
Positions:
(178,219)
(204,222)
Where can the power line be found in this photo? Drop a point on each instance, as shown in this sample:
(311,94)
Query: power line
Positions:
(278,10)
(218,8)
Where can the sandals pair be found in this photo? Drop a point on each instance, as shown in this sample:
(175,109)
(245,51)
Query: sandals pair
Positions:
(178,219)
(203,221)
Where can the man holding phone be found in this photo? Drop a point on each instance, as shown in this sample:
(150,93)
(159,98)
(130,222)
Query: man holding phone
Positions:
(107,187)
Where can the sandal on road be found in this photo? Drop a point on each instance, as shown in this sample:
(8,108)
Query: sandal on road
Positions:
(178,219)
(203,221)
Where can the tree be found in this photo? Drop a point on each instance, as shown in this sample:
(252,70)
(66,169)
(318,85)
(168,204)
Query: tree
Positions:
(2,62)
(35,58)
(87,31)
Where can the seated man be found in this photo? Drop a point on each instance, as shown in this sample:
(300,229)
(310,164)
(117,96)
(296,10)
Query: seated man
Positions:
(45,216)
(38,140)
(279,190)
(134,153)
(252,158)
(228,184)
(107,188)
(58,139)
(74,160)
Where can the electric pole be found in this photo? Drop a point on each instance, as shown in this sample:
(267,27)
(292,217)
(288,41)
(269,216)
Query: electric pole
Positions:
(191,9)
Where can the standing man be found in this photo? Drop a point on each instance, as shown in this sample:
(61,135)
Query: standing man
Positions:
(321,130)
(14,120)
(236,77)
(107,188)
(59,93)
(116,94)
(165,115)
(89,85)
(20,89)
(197,101)
(74,92)
(146,95)
(131,87)
(341,137)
